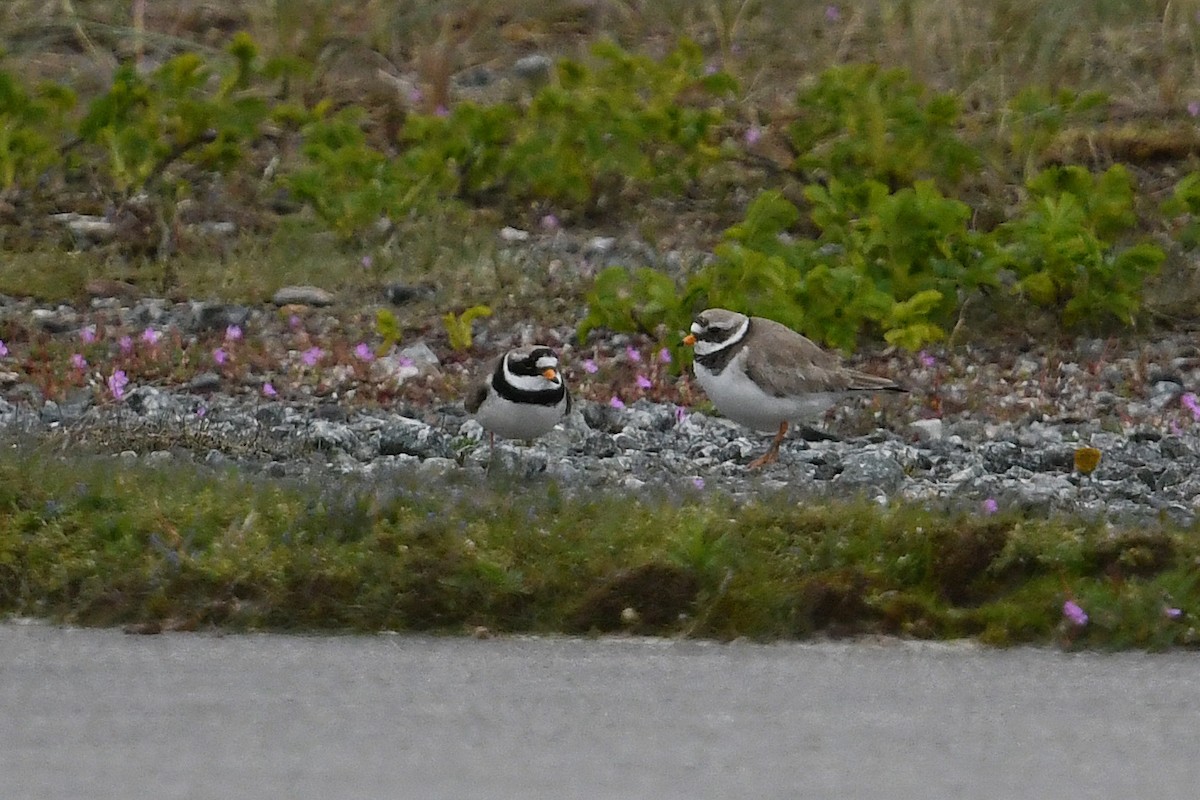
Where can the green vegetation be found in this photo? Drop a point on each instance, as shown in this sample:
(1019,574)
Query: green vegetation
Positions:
(861,174)
(458,326)
(889,203)
(887,251)
(93,542)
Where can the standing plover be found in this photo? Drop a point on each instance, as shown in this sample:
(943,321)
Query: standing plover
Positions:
(523,397)
(763,375)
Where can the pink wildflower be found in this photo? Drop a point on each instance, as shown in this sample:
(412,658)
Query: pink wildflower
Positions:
(550,222)
(294,321)
(643,382)
(664,355)
(3,349)
(1192,404)
(363,353)
(151,336)
(616,402)
(990,506)
(680,414)
(78,361)
(220,356)
(753,135)
(88,335)
(1173,613)
(632,354)
(126,345)
(1074,613)
(367,262)
(269,390)
(117,383)
(233,333)
(590,367)
(311,356)
(698,482)
(833,14)
(927,361)
(1193,109)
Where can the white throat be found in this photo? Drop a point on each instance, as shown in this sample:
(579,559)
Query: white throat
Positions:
(704,347)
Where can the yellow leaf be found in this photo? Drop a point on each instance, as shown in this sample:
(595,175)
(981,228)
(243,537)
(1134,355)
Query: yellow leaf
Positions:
(1086,460)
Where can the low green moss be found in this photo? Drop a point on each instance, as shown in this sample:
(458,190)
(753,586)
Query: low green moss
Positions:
(106,542)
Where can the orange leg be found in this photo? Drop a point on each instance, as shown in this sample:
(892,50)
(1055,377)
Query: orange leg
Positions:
(772,455)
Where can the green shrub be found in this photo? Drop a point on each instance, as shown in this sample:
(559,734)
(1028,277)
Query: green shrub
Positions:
(1037,115)
(631,124)
(1063,246)
(861,122)
(143,124)
(895,261)
(1184,205)
(31,126)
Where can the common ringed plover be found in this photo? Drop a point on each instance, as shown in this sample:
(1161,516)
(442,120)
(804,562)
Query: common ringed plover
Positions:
(524,395)
(763,375)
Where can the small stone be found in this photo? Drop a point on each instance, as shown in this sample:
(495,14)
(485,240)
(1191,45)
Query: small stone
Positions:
(303,296)
(1163,393)
(217,229)
(513,235)
(419,354)
(86,226)
(106,287)
(413,438)
(393,368)
(326,435)
(53,320)
(873,470)
(600,245)
(204,382)
(149,401)
(533,68)
(217,316)
(399,294)
(927,430)
(438,465)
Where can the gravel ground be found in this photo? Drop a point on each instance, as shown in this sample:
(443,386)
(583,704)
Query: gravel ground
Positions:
(978,427)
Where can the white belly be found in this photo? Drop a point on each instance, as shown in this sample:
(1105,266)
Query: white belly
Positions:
(518,420)
(740,399)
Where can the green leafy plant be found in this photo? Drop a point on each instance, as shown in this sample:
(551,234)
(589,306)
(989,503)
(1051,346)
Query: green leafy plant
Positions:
(144,124)
(388,329)
(346,182)
(859,121)
(1184,206)
(1062,246)
(31,124)
(634,300)
(458,326)
(631,123)
(1037,115)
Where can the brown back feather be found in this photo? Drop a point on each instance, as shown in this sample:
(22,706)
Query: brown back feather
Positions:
(785,363)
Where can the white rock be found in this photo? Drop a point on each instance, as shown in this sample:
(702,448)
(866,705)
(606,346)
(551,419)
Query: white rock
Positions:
(419,354)
(927,430)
